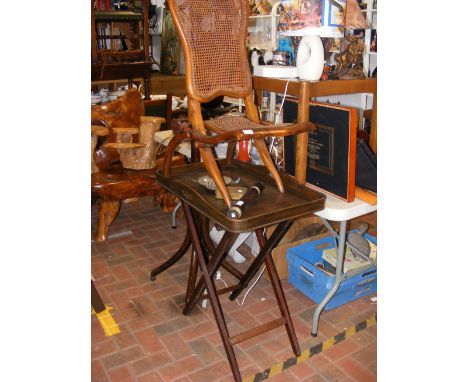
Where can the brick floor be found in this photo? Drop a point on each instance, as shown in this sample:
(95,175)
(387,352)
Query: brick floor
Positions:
(158,343)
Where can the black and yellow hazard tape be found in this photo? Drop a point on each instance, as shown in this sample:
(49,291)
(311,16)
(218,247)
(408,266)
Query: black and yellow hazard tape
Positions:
(107,322)
(316,349)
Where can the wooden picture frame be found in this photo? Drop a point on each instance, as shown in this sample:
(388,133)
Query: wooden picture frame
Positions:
(170,45)
(331,151)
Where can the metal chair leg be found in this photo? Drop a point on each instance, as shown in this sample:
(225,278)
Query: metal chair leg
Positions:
(174,212)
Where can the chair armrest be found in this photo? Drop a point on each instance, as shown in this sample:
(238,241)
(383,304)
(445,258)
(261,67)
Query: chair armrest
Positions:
(99,130)
(125,130)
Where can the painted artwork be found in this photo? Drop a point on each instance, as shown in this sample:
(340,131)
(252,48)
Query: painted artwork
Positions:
(260,7)
(300,14)
(170,46)
(299,17)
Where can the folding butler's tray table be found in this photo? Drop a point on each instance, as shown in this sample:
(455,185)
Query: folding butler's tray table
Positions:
(201,206)
(340,211)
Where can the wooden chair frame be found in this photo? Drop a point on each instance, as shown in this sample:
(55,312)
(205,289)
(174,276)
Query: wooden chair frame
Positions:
(243,89)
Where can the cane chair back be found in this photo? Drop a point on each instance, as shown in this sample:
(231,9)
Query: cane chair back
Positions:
(213,35)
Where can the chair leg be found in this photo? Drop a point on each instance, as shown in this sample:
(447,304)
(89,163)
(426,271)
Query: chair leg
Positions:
(213,170)
(230,152)
(96,301)
(213,297)
(108,211)
(174,259)
(267,161)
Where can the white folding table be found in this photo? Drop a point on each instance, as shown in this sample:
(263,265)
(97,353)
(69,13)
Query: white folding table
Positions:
(341,211)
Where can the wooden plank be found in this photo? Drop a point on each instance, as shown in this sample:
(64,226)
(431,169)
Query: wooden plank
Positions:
(301,139)
(257,331)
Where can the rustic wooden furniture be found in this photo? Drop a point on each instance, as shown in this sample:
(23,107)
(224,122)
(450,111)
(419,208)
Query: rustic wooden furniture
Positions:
(124,54)
(213,36)
(131,126)
(134,174)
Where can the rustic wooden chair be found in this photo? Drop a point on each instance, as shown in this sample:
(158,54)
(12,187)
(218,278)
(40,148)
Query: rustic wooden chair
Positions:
(123,166)
(213,35)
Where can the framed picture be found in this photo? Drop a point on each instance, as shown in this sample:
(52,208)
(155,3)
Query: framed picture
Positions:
(331,149)
(170,45)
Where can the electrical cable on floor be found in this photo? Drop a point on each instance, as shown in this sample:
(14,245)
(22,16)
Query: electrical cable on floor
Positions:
(248,290)
(282,102)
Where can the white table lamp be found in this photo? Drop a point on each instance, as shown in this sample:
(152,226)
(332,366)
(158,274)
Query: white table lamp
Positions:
(310,53)
(310,58)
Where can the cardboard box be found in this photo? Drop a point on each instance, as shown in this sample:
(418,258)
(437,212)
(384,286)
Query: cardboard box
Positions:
(302,231)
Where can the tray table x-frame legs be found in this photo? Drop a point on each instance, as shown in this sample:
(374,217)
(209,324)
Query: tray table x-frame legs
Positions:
(201,247)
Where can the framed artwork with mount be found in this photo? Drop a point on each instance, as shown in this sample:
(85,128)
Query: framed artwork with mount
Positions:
(331,149)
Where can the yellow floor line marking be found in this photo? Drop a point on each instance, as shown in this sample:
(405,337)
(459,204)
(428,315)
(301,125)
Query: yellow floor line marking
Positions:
(307,353)
(351,331)
(107,322)
(304,355)
(328,343)
(276,369)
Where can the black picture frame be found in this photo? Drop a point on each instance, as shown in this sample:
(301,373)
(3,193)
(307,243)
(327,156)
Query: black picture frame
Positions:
(331,152)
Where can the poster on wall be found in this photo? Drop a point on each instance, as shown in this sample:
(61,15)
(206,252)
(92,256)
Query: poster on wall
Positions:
(170,45)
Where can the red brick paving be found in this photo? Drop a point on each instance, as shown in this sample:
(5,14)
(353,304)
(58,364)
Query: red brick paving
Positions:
(158,343)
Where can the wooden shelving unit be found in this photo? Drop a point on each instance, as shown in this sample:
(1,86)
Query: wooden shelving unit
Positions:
(120,45)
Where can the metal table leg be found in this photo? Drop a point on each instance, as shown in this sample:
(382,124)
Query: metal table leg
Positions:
(338,276)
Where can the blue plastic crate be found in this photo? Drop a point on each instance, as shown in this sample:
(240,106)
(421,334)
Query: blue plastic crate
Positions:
(315,283)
